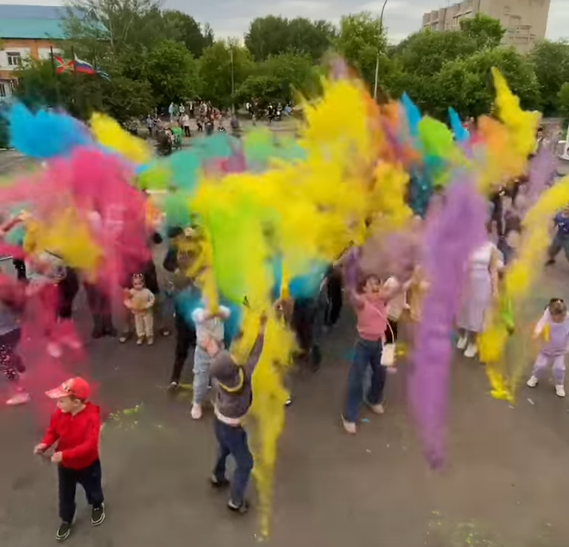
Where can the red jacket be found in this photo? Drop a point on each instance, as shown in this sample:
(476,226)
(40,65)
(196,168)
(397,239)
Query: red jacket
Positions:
(77,436)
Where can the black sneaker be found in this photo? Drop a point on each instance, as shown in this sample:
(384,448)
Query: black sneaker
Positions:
(98,515)
(110,331)
(97,333)
(241,509)
(63,531)
(217,483)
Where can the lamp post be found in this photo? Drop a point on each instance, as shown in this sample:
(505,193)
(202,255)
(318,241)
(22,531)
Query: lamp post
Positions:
(377,58)
(232,81)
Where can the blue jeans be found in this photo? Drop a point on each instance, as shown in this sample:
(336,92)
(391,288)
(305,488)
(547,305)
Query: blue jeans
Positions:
(233,441)
(365,353)
(202,362)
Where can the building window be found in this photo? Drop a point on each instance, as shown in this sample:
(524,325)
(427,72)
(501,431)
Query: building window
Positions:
(14,58)
(3,92)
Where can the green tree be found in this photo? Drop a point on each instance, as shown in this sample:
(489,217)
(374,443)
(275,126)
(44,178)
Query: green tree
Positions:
(113,23)
(563,98)
(184,28)
(467,85)
(261,87)
(294,72)
(424,53)
(172,72)
(484,30)
(273,35)
(124,98)
(361,40)
(267,36)
(551,62)
(223,65)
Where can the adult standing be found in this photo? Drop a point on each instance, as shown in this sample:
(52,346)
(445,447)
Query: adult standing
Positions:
(481,287)
(185,119)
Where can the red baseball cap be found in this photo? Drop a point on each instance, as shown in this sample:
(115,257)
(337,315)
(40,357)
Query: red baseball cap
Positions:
(74,387)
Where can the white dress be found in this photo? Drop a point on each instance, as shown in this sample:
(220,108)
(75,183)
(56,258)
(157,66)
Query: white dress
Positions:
(477,295)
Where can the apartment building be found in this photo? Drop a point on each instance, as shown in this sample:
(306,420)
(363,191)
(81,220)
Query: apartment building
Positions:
(26,32)
(525,21)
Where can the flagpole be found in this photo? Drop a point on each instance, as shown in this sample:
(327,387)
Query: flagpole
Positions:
(57,90)
(75,90)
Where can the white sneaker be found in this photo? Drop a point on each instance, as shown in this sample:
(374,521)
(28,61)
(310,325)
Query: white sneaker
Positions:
(560,390)
(532,382)
(196,411)
(350,427)
(54,350)
(377,409)
(20,398)
(471,351)
(461,344)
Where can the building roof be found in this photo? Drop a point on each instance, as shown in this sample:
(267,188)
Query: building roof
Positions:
(31,22)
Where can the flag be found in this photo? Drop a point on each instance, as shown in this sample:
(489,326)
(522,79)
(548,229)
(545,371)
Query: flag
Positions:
(61,65)
(103,75)
(83,66)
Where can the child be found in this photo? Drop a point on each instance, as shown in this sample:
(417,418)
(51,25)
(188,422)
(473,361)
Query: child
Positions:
(554,326)
(233,397)
(561,239)
(209,335)
(140,301)
(75,427)
(370,307)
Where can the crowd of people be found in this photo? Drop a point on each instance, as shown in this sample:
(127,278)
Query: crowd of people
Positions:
(388,300)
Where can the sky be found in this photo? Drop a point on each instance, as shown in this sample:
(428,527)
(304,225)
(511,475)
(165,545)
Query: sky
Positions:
(231,18)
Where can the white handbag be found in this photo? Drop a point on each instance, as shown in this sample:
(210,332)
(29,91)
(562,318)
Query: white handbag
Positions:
(388,355)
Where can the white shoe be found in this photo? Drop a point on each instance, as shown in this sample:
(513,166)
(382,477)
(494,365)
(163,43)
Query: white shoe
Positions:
(461,344)
(54,350)
(560,390)
(471,351)
(377,409)
(532,382)
(196,411)
(20,398)
(350,427)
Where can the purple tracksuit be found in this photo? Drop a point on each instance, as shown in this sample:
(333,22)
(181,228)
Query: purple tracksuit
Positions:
(554,349)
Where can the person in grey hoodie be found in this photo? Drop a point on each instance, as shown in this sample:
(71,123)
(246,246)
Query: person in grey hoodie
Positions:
(233,398)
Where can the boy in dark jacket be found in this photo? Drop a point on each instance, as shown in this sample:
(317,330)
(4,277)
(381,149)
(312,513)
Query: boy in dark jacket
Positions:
(233,398)
(75,427)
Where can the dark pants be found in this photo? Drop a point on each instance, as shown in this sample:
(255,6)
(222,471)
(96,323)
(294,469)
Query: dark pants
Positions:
(185,338)
(67,289)
(187,131)
(89,478)
(334,307)
(100,306)
(306,323)
(560,242)
(233,441)
(366,353)
(10,361)
(20,267)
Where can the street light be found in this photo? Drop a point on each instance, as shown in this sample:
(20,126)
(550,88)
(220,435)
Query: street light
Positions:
(377,58)
(232,80)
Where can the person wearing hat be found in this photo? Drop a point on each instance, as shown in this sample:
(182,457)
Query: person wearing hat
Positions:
(233,397)
(75,426)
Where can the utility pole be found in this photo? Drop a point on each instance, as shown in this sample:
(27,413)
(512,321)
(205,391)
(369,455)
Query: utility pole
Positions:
(377,58)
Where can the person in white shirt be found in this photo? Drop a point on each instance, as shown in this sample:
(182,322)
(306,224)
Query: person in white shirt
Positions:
(209,334)
(185,123)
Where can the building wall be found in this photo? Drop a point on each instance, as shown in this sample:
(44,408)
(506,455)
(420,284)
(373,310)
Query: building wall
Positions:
(525,21)
(28,49)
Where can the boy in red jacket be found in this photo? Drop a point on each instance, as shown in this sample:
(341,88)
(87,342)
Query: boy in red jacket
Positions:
(75,427)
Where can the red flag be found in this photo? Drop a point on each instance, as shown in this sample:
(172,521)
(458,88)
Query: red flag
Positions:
(61,65)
